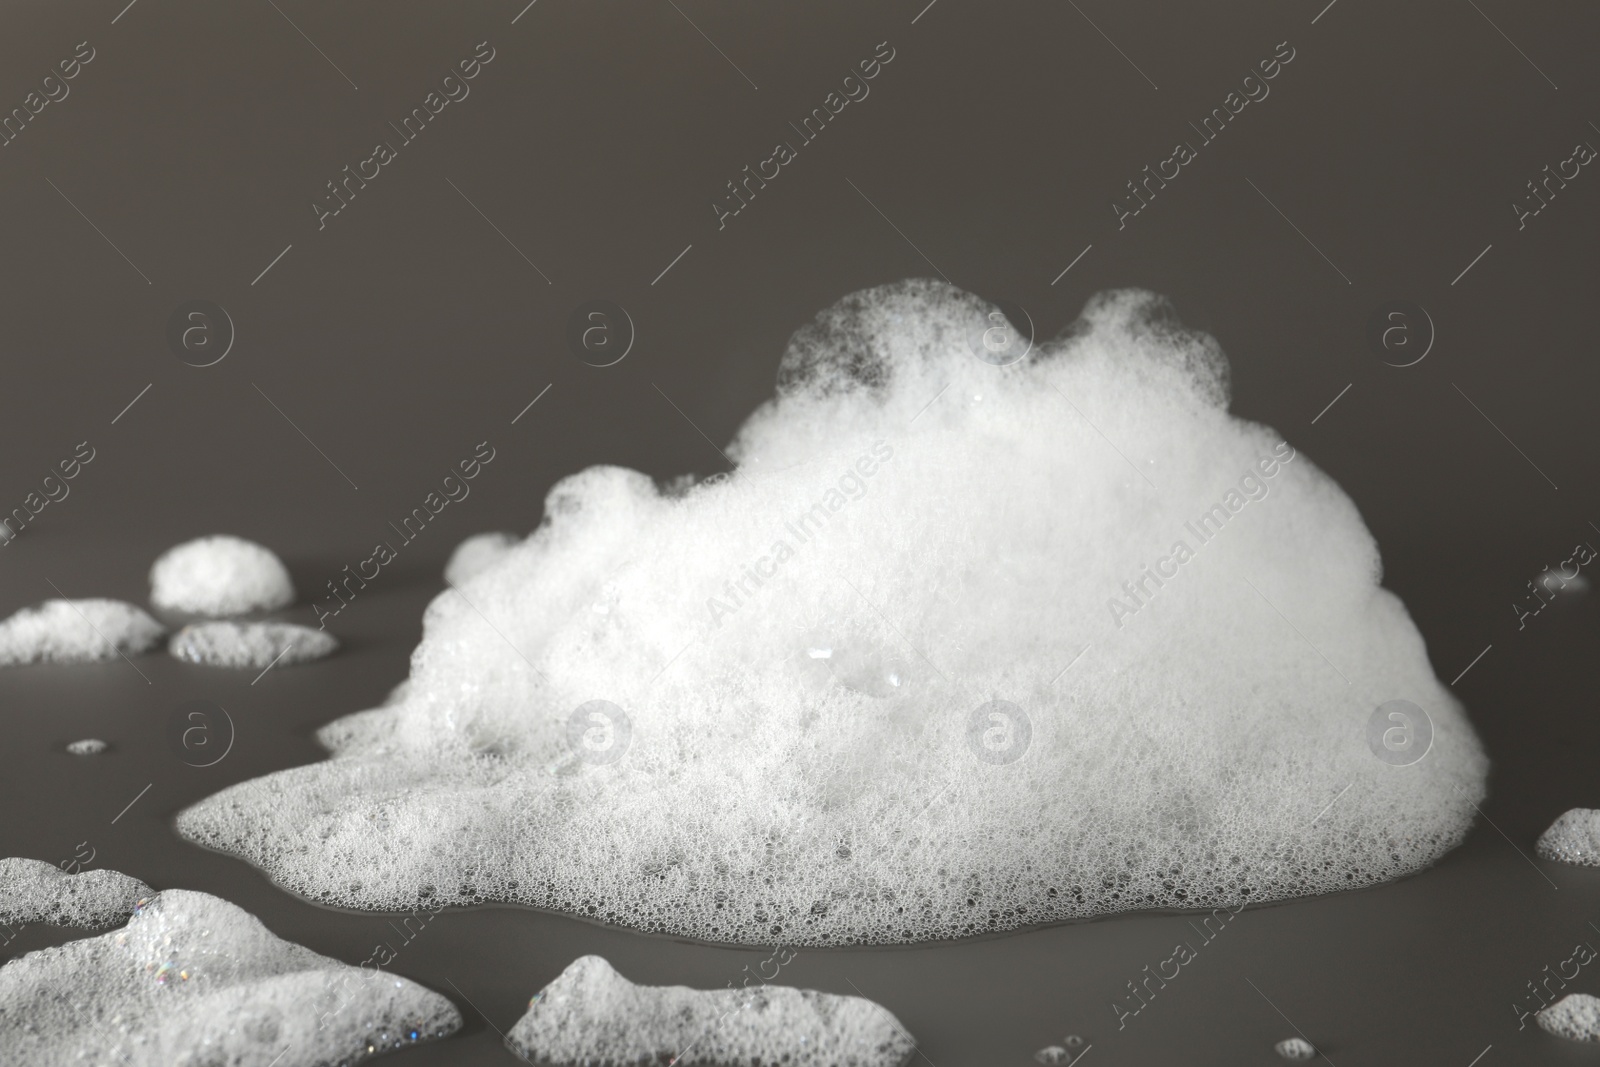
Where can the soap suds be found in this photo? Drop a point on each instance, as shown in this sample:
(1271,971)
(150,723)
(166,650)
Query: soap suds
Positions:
(75,631)
(1296,1049)
(1575,1017)
(1573,838)
(32,891)
(89,746)
(591,1014)
(192,979)
(477,554)
(250,644)
(220,575)
(911,534)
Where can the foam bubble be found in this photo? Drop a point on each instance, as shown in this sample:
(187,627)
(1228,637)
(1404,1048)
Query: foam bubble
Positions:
(250,644)
(1295,1049)
(1573,838)
(75,631)
(477,554)
(591,1014)
(811,652)
(194,980)
(1575,1017)
(89,746)
(220,575)
(32,891)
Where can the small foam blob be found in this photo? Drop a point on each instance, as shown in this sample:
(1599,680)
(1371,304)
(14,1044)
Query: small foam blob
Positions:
(477,554)
(1573,838)
(1296,1049)
(250,644)
(76,631)
(591,1014)
(220,575)
(89,746)
(194,980)
(33,891)
(957,648)
(1575,1017)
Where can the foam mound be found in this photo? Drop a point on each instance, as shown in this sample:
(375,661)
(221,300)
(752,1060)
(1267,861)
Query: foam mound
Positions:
(250,644)
(76,631)
(32,891)
(89,746)
(1573,838)
(1296,1049)
(1575,1017)
(592,1015)
(194,980)
(907,673)
(220,575)
(477,554)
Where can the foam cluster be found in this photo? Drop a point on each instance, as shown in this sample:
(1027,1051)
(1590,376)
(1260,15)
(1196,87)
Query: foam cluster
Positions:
(250,644)
(191,979)
(1573,838)
(477,554)
(1575,1017)
(591,1014)
(958,647)
(88,746)
(220,575)
(72,631)
(33,891)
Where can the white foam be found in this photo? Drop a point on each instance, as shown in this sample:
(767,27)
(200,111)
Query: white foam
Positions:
(591,1014)
(818,756)
(477,554)
(1575,1017)
(250,644)
(1573,838)
(1295,1049)
(76,631)
(220,575)
(192,979)
(32,891)
(89,746)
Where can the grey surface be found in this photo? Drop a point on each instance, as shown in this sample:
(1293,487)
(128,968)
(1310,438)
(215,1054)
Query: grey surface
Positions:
(410,329)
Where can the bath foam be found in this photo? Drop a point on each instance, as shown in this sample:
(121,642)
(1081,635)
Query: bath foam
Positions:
(591,1014)
(195,980)
(1575,1017)
(250,644)
(89,746)
(806,653)
(1573,838)
(32,891)
(477,554)
(220,575)
(75,631)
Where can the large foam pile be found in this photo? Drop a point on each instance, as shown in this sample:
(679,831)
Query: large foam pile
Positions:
(194,980)
(1575,1017)
(592,1015)
(220,575)
(1573,838)
(32,891)
(75,631)
(477,554)
(250,644)
(957,648)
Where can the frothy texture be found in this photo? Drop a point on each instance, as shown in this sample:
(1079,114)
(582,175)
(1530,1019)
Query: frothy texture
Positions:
(1572,838)
(1575,1017)
(477,554)
(76,631)
(592,1015)
(873,686)
(89,746)
(32,891)
(192,979)
(220,575)
(250,644)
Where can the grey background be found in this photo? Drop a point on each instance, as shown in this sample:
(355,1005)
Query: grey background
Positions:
(410,329)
